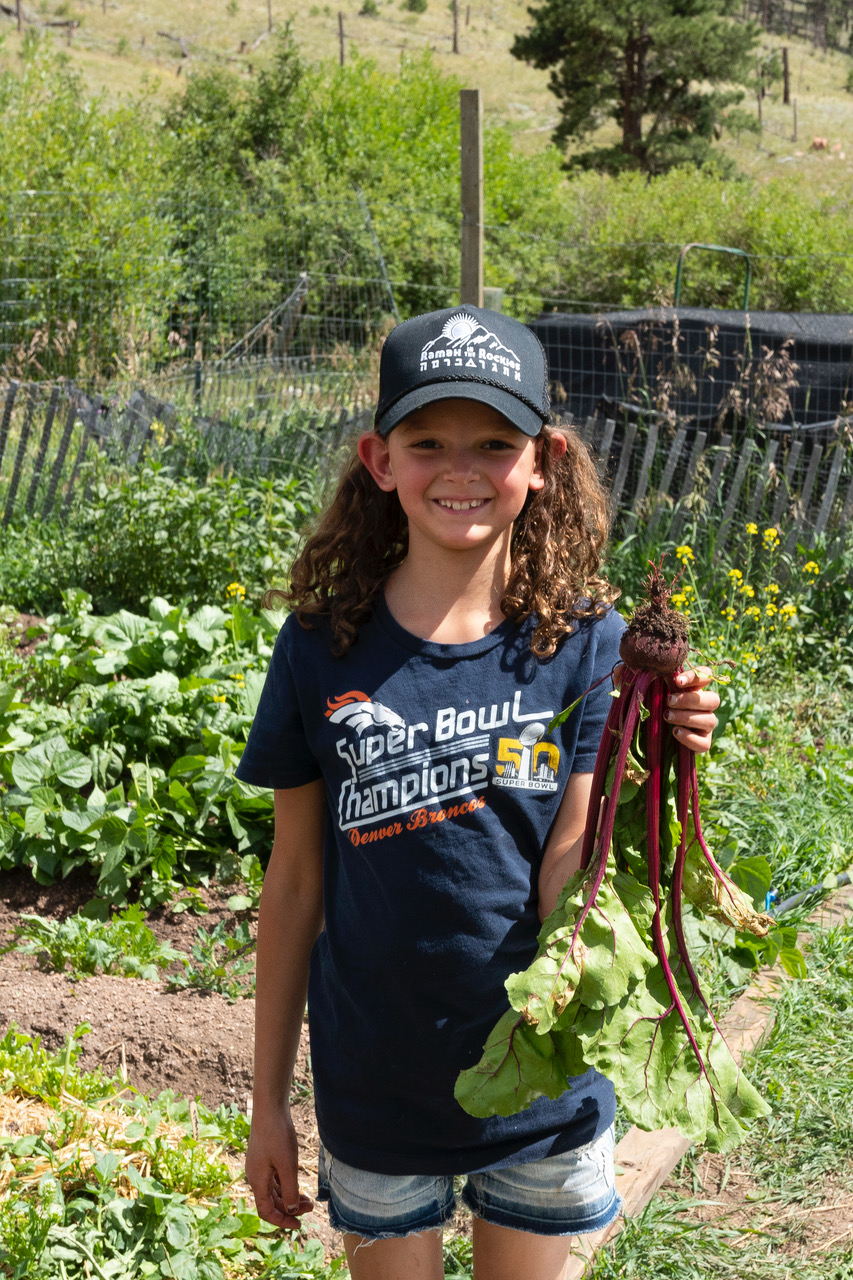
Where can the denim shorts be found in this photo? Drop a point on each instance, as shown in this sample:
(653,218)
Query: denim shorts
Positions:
(561,1195)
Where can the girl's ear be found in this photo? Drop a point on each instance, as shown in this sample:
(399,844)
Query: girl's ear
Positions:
(556,444)
(373,451)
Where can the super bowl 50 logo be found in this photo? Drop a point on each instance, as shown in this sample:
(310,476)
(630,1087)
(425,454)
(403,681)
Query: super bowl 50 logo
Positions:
(526,762)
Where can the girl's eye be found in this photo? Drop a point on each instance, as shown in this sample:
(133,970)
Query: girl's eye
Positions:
(498,444)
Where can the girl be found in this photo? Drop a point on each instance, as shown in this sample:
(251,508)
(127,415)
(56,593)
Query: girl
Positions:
(447,607)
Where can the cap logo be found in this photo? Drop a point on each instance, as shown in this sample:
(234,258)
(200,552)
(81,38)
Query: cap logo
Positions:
(464,343)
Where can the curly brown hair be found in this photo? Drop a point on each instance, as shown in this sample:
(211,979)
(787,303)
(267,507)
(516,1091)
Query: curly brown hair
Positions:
(557,546)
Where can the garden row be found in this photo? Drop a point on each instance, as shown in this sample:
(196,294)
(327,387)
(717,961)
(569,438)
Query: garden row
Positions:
(122,719)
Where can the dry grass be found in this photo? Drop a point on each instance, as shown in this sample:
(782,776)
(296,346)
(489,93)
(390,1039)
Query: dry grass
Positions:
(118,50)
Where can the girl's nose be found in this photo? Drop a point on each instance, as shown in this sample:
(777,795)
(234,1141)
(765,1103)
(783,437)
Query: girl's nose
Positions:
(461,465)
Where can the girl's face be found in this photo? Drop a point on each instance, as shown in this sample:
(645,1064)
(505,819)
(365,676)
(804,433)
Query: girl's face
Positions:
(461,471)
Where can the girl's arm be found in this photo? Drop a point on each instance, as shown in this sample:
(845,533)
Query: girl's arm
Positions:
(692,717)
(289,919)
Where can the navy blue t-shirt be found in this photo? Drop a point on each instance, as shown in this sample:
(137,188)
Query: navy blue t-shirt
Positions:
(441,790)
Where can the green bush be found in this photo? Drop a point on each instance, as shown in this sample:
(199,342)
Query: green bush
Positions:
(157,533)
(414,6)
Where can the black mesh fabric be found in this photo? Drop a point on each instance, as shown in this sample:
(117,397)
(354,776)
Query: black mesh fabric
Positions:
(708,368)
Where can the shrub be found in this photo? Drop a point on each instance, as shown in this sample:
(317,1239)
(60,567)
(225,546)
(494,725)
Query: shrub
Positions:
(156,533)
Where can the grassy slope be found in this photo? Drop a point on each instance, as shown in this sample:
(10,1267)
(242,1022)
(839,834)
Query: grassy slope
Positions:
(117,48)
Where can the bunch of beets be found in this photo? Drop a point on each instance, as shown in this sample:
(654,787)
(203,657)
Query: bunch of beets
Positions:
(612,985)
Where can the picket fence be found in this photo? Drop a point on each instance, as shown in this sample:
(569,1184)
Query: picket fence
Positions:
(662,479)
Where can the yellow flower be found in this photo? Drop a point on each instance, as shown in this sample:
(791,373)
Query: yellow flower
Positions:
(772,588)
(735,575)
(752,528)
(771,537)
(219,697)
(235,591)
(811,566)
(747,590)
(729,613)
(788,610)
(770,609)
(684,554)
(746,656)
(753,611)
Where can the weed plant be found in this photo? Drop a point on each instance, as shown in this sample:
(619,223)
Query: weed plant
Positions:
(124,945)
(222,960)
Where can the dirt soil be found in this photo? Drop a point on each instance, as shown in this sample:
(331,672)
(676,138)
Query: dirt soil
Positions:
(194,1043)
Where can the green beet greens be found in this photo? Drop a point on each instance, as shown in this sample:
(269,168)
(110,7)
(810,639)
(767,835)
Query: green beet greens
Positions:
(613,986)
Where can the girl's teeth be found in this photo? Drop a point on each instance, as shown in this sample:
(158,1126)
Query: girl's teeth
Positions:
(460,506)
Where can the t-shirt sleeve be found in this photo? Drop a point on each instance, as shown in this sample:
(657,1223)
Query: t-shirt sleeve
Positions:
(277,753)
(595,708)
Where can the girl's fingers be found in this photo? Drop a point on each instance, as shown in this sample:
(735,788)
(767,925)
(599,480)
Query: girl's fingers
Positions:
(699,721)
(698,742)
(694,678)
(694,700)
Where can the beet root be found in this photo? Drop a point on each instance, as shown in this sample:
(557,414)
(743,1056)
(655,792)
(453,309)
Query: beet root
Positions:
(656,637)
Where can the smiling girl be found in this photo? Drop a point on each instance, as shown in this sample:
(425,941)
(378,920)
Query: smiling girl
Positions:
(448,605)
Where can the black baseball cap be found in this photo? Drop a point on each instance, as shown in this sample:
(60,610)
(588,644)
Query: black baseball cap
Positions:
(464,353)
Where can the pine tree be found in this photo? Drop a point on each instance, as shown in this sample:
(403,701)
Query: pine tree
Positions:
(669,72)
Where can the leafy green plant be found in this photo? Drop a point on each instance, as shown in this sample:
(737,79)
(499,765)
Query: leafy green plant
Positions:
(129,1200)
(220,961)
(115,544)
(125,944)
(133,771)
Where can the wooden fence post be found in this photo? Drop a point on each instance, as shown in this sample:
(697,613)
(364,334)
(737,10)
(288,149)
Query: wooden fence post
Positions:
(805,497)
(786,78)
(59,460)
(666,478)
(687,486)
(471,159)
(622,469)
(785,487)
(645,472)
(6,423)
(42,453)
(29,410)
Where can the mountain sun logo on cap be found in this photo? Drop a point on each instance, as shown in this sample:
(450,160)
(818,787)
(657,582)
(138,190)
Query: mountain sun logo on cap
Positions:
(466,353)
(464,343)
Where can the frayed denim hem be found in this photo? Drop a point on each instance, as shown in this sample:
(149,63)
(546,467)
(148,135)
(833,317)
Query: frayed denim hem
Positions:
(499,1217)
(435,1220)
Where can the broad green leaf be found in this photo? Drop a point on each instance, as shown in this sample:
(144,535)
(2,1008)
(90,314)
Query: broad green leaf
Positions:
(7,696)
(755,876)
(516,1068)
(72,768)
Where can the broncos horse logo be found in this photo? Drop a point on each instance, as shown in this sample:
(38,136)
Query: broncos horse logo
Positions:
(357,711)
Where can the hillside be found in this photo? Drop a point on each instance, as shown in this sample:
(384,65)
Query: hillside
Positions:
(121,48)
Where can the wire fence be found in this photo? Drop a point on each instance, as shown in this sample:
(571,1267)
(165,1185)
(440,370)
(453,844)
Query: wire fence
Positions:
(261,327)
(100,289)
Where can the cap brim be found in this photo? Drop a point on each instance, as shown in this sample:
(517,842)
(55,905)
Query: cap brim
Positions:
(514,410)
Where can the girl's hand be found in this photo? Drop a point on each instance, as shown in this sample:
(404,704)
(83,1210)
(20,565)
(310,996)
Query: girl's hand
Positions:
(272,1171)
(691,708)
